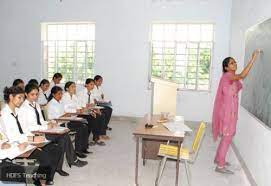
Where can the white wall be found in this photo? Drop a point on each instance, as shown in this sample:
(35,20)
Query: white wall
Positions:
(122,44)
(253,139)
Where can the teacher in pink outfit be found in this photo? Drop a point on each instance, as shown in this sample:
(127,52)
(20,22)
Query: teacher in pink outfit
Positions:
(225,111)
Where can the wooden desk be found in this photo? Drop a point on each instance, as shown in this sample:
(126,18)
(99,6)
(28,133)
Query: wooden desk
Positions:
(158,132)
(69,117)
(27,154)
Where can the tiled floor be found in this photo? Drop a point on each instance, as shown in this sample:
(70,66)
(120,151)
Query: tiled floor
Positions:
(113,164)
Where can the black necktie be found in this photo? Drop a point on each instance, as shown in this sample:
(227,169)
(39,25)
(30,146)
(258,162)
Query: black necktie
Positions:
(37,114)
(18,123)
(46,97)
(89,98)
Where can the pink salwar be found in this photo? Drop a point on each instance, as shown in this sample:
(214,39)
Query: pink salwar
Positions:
(222,150)
(225,115)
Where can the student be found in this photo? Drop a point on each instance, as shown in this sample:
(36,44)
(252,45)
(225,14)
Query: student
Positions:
(18,83)
(43,97)
(96,122)
(48,156)
(99,96)
(56,110)
(31,120)
(43,91)
(225,111)
(57,77)
(33,81)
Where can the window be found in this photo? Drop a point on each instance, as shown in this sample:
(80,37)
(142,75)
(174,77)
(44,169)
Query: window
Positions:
(181,53)
(68,48)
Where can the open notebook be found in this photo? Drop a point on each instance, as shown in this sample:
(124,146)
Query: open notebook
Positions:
(14,151)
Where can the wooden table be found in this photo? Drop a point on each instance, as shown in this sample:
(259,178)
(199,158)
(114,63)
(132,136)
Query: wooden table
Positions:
(158,132)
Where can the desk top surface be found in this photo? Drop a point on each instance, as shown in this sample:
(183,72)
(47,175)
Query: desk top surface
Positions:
(158,129)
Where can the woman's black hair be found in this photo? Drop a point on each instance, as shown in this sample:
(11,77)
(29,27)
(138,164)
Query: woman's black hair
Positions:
(68,84)
(44,81)
(12,91)
(30,86)
(225,63)
(33,81)
(89,80)
(54,90)
(97,77)
(57,75)
(16,82)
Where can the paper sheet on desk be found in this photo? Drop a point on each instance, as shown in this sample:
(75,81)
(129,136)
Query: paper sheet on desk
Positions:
(55,130)
(177,127)
(14,152)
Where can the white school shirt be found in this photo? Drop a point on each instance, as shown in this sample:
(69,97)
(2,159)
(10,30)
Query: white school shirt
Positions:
(71,103)
(28,118)
(52,84)
(10,127)
(42,99)
(83,97)
(55,109)
(97,91)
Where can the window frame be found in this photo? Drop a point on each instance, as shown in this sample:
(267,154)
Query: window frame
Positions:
(45,56)
(175,53)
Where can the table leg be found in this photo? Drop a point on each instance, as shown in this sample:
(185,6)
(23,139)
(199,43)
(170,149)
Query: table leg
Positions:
(143,151)
(178,163)
(136,168)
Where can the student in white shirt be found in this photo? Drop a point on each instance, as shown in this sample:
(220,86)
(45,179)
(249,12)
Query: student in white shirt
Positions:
(48,156)
(99,96)
(43,91)
(57,77)
(31,119)
(56,110)
(43,96)
(69,98)
(96,121)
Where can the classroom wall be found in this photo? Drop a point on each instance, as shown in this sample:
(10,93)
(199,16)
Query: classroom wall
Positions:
(122,44)
(253,139)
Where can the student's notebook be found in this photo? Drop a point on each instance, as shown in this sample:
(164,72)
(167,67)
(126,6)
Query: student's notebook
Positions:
(14,152)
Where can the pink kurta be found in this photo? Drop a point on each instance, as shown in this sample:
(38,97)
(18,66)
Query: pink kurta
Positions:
(225,113)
